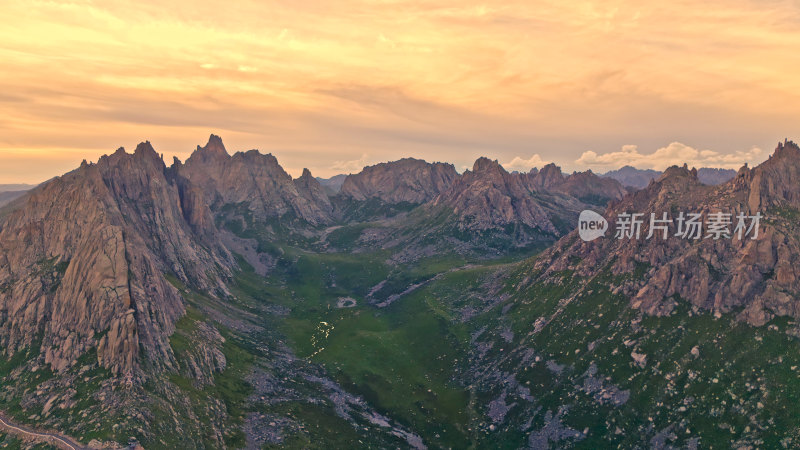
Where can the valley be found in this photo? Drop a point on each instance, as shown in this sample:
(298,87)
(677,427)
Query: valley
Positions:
(474,319)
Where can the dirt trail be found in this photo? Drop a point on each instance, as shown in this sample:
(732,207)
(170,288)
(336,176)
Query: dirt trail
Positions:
(22,431)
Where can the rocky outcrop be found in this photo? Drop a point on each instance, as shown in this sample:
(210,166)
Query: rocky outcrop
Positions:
(757,277)
(255,180)
(408,180)
(545,179)
(312,191)
(83,258)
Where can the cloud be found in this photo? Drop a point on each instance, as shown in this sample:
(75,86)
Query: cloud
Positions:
(439,79)
(675,153)
(524,165)
(352,166)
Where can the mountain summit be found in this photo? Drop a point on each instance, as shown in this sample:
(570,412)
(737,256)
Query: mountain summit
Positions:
(254,180)
(408,180)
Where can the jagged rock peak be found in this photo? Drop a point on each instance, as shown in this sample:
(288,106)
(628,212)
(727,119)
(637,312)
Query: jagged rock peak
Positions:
(484,164)
(786,149)
(550,175)
(144,147)
(743,177)
(255,179)
(551,167)
(146,151)
(214,147)
(143,155)
(677,171)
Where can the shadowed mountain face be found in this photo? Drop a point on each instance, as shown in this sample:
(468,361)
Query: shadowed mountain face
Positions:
(219,303)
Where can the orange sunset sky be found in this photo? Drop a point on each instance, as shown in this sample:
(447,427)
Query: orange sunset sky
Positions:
(333,86)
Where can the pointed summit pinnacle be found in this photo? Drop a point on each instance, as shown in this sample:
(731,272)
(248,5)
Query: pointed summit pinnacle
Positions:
(214,146)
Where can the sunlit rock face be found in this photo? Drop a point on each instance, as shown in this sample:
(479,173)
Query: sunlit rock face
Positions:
(84,259)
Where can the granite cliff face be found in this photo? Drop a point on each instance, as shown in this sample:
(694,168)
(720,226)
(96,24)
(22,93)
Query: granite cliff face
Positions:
(407,180)
(83,258)
(255,180)
(757,277)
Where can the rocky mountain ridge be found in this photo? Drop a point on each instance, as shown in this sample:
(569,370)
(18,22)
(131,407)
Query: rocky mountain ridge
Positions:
(255,180)
(585,186)
(639,178)
(754,277)
(407,180)
(126,279)
(488,196)
(84,255)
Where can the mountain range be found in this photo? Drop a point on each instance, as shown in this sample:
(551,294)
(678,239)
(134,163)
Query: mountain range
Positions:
(639,178)
(10,192)
(221,303)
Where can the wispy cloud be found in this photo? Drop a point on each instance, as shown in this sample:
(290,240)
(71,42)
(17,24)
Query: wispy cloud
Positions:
(524,165)
(440,79)
(352,166)
(673,154)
